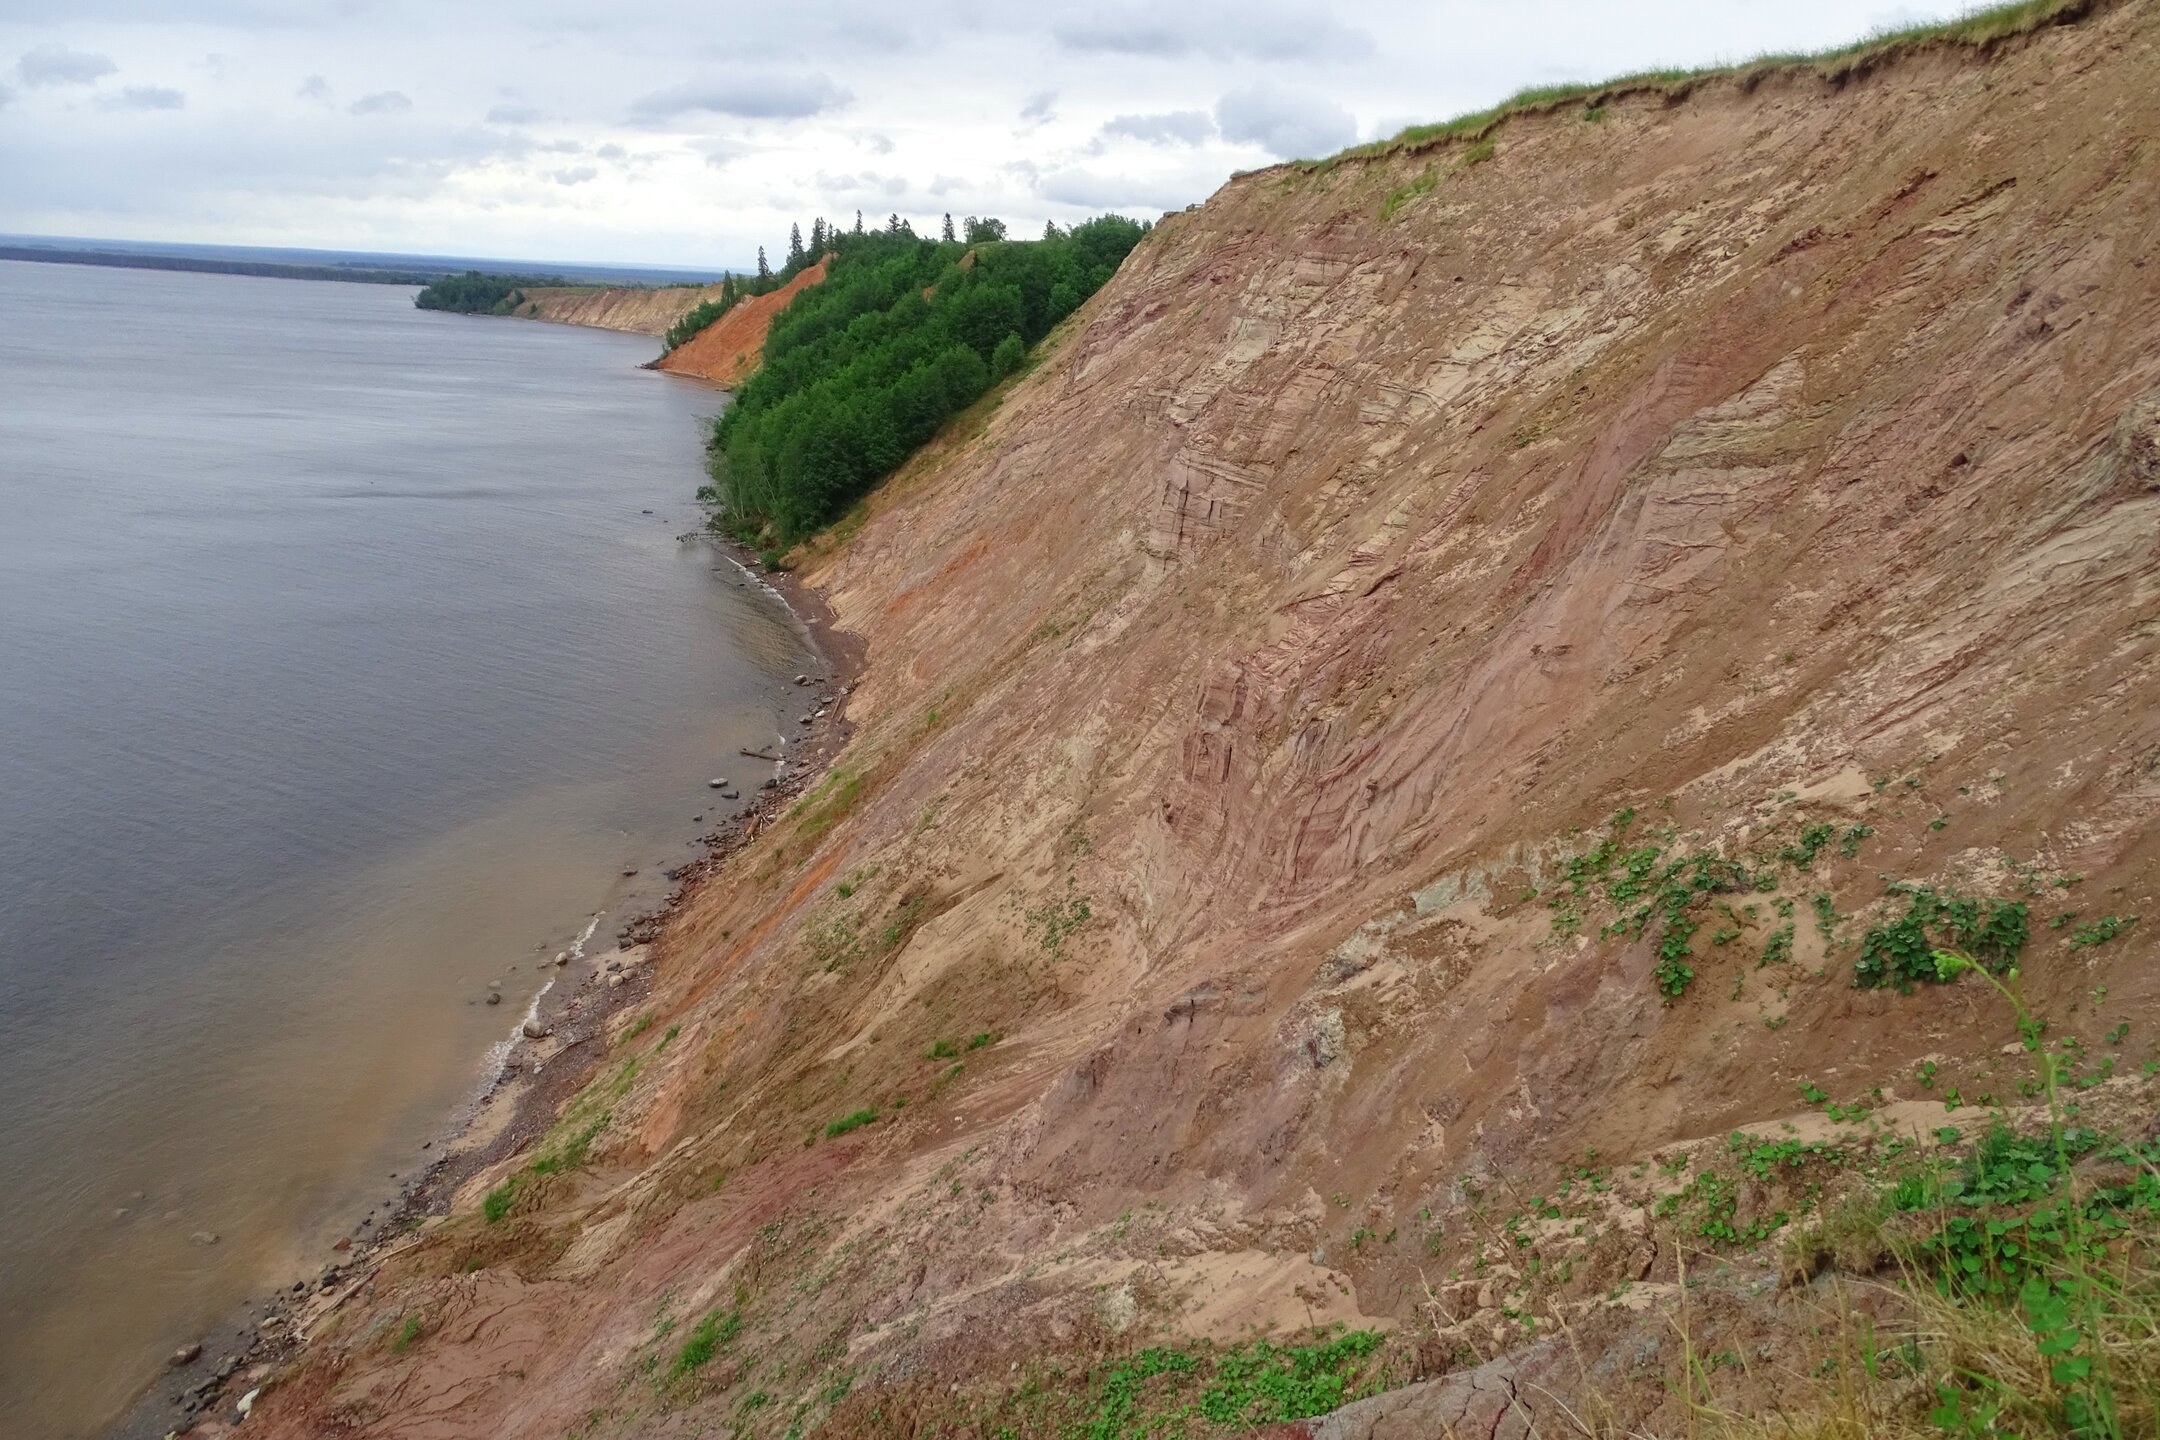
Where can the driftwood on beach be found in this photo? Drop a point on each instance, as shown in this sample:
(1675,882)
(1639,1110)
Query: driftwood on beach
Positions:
(761,755)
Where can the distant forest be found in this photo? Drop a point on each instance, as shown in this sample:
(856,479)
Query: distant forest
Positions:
(475,293)
(860,371)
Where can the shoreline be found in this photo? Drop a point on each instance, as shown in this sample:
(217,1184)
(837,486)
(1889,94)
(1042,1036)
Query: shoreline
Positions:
(526,1078)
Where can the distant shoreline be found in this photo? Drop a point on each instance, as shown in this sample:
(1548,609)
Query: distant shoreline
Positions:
(275,270)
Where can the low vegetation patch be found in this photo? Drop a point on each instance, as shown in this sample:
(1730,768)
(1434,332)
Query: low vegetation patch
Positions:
(474,293)
(706,1339)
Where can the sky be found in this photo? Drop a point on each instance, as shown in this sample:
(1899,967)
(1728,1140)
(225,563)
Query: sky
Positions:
(687,132)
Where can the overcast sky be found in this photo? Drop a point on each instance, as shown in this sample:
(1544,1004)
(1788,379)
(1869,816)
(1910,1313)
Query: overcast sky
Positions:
(674,132)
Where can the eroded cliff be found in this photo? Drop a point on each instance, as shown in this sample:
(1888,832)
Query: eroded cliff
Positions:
(1188,940)
(639,310)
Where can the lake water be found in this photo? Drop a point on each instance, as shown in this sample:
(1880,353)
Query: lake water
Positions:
(340,674)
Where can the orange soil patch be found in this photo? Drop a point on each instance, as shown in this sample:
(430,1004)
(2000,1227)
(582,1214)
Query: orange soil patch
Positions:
(726,351)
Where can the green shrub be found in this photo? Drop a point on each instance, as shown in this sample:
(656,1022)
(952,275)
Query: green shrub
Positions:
(474,293)
(852,1121)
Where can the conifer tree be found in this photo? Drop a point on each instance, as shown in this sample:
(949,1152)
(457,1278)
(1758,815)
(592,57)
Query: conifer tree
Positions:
(817,236)
(858,222)
(764,270)
(948,236)
(794,245)
(1050,230)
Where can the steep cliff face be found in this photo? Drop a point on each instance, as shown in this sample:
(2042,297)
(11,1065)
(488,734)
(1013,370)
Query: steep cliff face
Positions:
(639,311)
(1776,461)
(726,351)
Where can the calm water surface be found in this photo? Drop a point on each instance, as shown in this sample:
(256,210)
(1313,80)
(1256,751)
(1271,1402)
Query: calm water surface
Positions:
(340,674)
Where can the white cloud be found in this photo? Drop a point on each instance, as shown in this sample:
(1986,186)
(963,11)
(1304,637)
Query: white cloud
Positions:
(577,175)
(55,64)
(382,102)
(513,115)
(1286,122)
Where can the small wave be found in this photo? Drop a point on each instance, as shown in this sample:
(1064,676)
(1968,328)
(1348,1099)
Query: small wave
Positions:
(498,1054)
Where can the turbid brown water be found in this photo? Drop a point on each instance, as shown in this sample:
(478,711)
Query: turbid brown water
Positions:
(351,654)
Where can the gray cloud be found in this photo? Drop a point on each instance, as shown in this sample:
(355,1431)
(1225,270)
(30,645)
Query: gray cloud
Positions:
(382,102)
(751,95)
(56,64)
(315,87)
(576,175)
(611,152)
(7,96)
(513,115)
(1092,190)
(1174,127)
(1219,30)
(1037,110)
(1285,122)
(145,97)
(880,144)
(719,154)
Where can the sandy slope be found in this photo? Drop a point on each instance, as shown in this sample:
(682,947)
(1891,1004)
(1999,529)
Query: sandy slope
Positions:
(1236,678)
(726,351)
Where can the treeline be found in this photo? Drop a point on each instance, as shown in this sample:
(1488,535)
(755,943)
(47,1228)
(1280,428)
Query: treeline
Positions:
(860,371)
(475,293)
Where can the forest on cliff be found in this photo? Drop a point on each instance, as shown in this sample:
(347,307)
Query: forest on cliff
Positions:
(861,370)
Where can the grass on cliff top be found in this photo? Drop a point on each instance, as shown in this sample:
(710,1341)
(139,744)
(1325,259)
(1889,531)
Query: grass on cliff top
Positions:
(1976,28)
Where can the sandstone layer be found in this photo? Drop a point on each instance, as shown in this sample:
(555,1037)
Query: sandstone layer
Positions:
(1772,456)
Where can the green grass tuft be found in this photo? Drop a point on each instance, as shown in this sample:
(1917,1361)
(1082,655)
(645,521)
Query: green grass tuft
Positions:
(711,1334)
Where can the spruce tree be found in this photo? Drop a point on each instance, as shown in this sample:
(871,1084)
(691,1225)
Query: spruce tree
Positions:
(858,222)
(764,271)
(794,245)
(817,236)
(948,236)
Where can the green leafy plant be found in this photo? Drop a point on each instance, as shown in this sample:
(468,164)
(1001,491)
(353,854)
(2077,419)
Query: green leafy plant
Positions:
(1901,952)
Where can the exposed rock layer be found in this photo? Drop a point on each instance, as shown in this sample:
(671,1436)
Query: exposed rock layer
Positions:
(1234,680)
